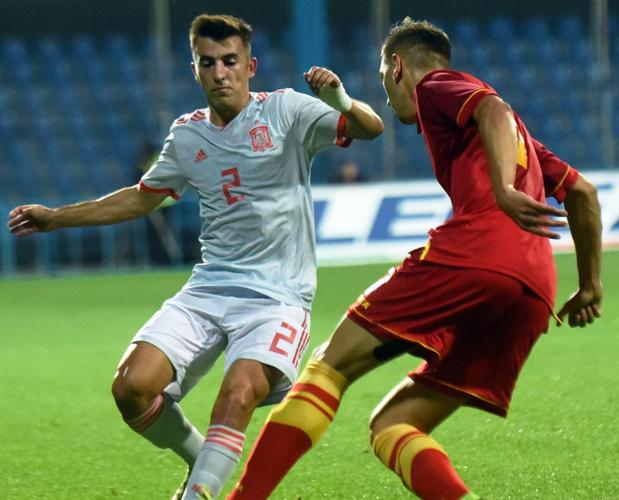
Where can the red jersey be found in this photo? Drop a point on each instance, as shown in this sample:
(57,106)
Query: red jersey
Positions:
(479,234)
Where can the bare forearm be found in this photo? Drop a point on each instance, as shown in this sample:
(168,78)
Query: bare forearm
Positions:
(363,122)
(499,134)
(122,205)
(584,218)
(497,129)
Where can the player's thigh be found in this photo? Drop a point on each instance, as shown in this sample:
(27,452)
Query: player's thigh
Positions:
(414,404)
(185,330)
(270,333)
(144,368)
(351,350)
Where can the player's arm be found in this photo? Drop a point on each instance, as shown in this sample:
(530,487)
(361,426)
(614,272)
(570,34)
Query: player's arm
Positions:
(583,214)
(361,120)
(498,131)
(124,204)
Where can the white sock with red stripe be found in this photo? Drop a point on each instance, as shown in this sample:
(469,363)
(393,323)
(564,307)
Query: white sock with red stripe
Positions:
(216,462)
(165,425)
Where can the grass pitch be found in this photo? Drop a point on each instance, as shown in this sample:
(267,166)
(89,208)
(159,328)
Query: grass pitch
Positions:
(62,438)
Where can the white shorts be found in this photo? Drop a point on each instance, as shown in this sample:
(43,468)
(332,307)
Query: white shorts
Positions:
(194,327)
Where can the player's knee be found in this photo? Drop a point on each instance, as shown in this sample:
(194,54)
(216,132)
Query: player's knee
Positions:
(130,392)
(239,397)
(243,395)
(380,419)
(319,352)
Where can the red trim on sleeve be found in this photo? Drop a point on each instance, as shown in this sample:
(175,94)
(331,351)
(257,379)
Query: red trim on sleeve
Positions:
(570,178)
(168,191)
(340,140)
(565,184)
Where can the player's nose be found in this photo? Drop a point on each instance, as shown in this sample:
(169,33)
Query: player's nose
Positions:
(219,71)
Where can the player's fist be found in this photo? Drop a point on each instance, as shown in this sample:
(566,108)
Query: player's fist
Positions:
(317,78)
(328,87)
(583,307)
(27,219)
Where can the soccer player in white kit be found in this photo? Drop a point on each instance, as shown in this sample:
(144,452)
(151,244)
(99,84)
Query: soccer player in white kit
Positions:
(248,157)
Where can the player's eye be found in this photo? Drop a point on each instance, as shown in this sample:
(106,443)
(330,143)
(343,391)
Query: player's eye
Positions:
(230,61)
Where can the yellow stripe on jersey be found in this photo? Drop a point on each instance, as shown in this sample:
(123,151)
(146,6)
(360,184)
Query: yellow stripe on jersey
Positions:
(523,157)
(426,249)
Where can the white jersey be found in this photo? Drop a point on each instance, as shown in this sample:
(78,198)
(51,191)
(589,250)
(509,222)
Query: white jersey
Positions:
(252,178)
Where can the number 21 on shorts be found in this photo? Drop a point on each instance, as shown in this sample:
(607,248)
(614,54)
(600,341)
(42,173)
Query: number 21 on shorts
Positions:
(283,342)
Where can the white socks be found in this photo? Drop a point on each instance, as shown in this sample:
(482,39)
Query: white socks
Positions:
(216,462)
(165,425)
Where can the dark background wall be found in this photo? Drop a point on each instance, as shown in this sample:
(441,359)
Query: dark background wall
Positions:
(58,17)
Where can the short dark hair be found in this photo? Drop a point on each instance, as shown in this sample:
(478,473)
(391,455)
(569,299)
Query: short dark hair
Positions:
(219,27)
(410,36)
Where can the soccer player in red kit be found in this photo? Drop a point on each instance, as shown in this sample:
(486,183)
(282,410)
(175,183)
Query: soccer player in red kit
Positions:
(472,303)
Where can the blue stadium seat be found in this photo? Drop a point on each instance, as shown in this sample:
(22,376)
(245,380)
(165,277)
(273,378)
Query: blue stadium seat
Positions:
(550,53)
(536,30)
(261,44)
(501,29)
(526,77)
(465,31)
(95,103)
(481,55)
(48,53)
(580,52)
(570,28)
(82,48)
(518,53)
(14,50)
(117,47)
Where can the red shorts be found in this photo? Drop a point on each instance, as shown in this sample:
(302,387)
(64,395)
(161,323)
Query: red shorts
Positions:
(474,328)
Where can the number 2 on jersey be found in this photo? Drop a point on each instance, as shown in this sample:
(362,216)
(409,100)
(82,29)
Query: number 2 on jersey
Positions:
(235,182)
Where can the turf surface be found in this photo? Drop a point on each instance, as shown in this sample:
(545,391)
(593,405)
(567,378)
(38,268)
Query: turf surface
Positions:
(61,436)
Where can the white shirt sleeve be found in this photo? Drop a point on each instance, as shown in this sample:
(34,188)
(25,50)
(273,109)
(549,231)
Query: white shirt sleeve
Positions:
(166,176)
(316,124)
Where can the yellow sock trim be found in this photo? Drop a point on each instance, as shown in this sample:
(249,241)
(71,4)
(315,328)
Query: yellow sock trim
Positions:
(312,402)
(396,447)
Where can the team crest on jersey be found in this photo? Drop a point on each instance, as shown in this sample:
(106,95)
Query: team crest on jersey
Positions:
(260,138)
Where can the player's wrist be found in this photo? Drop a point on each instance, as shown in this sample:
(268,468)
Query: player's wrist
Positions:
(591,285)
(337,98)
(49,219)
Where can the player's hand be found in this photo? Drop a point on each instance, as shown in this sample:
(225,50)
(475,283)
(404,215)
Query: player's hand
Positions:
(530,214)
(317,78)
(27,219)
(325,84)
(582,307)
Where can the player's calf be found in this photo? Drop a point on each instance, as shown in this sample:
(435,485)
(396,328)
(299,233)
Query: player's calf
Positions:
(419,461)
(292,429)
(246,385)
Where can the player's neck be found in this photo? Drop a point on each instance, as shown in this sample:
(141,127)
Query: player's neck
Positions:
(220,117)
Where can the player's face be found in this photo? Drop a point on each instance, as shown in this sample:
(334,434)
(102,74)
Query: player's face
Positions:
(399,96)
(223,70)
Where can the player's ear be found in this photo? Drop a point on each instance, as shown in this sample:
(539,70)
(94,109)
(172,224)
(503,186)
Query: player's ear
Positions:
(398,68)
(253,67)
(195,72)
